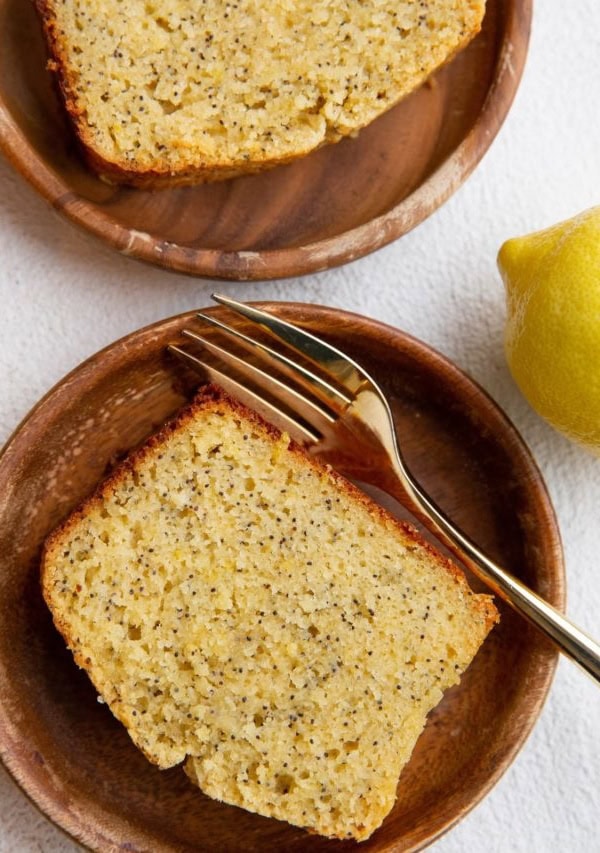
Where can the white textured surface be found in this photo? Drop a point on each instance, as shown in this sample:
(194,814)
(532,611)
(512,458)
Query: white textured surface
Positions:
(63,296)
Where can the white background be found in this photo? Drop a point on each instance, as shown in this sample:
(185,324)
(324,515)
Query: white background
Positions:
(63,296)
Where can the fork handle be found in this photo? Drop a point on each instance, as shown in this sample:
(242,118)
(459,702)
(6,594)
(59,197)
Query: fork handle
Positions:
(571,640)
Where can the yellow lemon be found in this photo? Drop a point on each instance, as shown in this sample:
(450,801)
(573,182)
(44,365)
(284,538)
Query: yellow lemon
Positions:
(552,341)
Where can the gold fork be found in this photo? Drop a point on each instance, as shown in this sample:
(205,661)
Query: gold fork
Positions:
(326,401)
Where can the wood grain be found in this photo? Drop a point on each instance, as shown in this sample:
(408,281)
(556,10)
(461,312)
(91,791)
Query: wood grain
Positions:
(72,757)
(335,205)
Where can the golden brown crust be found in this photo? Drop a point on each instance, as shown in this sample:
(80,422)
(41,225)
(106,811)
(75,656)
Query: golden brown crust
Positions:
(164,176)
(58,64)
(212,396)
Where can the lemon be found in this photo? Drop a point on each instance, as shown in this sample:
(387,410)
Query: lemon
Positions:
(552,340)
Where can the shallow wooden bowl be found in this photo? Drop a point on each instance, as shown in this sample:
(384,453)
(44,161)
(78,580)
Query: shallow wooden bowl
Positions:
(76,761)
(335,205)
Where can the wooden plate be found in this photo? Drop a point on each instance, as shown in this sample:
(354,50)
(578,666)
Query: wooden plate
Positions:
(335,205)
(76,761)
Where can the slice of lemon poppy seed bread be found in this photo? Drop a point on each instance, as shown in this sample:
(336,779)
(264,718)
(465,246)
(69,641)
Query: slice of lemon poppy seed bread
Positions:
(184,91)
(249,612)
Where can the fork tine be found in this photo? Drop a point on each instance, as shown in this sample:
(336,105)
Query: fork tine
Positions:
(270,383)
(299,431)
(314,382)
(341,366)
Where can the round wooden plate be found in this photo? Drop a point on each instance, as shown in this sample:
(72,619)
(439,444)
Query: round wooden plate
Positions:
(331,207)
(76,761)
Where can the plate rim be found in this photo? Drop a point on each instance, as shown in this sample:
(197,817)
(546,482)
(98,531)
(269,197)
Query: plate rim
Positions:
(545,658)
(269,264)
